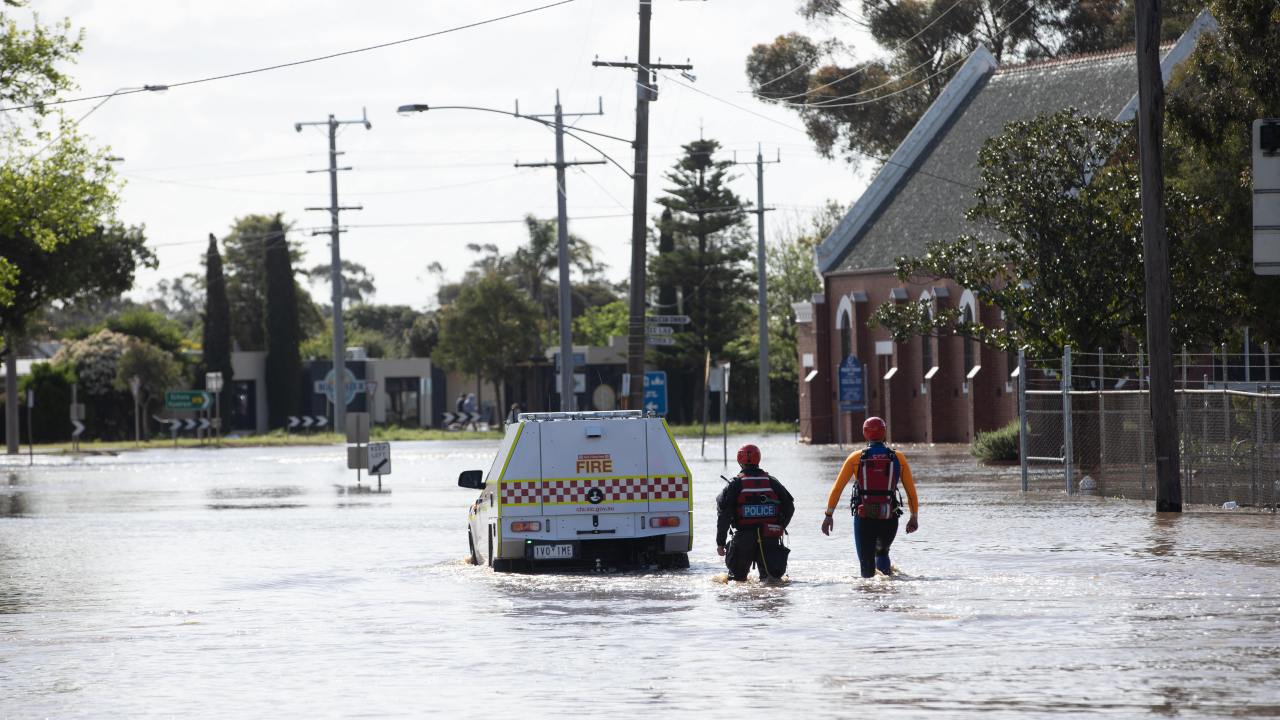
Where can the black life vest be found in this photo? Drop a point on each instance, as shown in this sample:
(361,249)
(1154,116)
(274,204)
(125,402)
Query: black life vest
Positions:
(876,488)
(759,506)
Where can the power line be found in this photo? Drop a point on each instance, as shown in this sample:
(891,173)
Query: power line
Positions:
(296,63)
(864,153)
(895,49)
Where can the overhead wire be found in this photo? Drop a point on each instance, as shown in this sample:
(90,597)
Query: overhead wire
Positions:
(295,63)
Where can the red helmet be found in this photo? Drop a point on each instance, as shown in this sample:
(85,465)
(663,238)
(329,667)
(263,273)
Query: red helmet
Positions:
(874,430)
(748,455)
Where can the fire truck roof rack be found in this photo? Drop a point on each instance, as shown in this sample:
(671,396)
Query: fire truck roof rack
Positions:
(584,415)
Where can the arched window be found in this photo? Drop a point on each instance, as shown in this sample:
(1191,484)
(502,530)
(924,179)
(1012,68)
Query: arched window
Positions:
(966,316)
(846,336)
(926,354)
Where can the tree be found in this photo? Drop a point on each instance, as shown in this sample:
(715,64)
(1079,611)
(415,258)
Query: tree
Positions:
(98,264)
(357,284)
(216,345)
(423,335)
(1059,252)
(155,369)
(708,265)
(535,265)
(1227,82)
(792,278)
(150,326)
(864,109)
(95,361)
(284,335)
(488,330)
(40,194)
(597,324)
(247,284)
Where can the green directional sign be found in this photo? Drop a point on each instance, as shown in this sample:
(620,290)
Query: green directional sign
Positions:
(187,400)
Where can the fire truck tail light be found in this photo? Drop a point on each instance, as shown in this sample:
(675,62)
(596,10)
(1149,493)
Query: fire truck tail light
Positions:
(526,526)
(664,522)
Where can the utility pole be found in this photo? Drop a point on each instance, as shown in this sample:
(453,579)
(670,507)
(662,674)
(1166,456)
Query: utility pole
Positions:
(335,267)
(567,403)
(762,301)
(646,92)
(1155,256)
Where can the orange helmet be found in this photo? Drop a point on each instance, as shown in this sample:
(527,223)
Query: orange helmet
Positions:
(748,455)
(874,429)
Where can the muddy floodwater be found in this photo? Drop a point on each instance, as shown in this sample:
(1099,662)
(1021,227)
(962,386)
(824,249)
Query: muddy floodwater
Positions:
(246,583)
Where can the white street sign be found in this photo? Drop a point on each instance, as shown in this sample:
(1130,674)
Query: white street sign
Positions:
(667,319)
(293,421)
(321,421)
(660,340)
(135,384)
(204,423)
(380,458)
(79,428)
(213,382)
(358,427)
(659,330)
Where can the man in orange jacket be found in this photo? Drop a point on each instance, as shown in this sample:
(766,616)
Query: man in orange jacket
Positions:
(877,471)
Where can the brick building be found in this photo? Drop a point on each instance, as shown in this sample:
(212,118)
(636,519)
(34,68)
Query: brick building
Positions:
(945,388)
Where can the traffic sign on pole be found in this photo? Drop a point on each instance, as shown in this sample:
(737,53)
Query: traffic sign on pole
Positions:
(852,392)
(187,400)
(664,340)
(380,458)
(655,392)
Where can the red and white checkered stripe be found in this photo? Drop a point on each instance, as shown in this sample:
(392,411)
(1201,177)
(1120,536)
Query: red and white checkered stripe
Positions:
(524,492)
(575,491)
(528,492)
(669,488)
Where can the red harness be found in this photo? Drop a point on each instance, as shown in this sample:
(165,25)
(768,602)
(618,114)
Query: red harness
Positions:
(877,484)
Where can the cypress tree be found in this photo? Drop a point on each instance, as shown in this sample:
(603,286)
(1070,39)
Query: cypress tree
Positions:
(284,361)
(217,328)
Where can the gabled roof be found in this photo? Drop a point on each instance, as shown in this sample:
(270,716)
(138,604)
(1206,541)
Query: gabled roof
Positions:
(922,192)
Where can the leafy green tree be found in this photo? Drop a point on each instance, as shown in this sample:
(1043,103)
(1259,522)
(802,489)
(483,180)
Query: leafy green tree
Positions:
(95,361)
(245,272)
(357,284)
(1060,251)
(156,371)
(489,330)
(216,345)
(284,335)
(792,278)
(1227,82)
(708,265)
(150,326)
(597,324)
(423,335)
(51,382)
(860,108)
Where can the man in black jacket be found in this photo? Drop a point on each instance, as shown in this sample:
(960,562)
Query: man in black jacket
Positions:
(758,508)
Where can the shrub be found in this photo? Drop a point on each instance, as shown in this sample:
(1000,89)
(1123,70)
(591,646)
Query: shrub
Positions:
(997,445)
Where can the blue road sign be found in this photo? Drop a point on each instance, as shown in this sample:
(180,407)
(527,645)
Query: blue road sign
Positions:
(655,392)
(853,397)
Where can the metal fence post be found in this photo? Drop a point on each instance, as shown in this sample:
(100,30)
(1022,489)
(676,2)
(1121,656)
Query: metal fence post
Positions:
(1068,454)
(1022,413)
(1182,427)
(1143,416)
(1102,418)
(1226,400)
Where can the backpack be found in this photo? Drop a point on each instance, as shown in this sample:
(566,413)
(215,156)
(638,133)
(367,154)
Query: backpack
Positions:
(876,488)
(759,507)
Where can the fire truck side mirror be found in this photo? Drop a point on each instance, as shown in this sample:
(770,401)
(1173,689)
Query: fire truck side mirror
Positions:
(473,479)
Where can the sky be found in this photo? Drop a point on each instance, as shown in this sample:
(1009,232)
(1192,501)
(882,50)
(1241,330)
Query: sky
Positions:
(197,157)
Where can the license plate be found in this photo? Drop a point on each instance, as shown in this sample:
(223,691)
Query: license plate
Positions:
(553,552)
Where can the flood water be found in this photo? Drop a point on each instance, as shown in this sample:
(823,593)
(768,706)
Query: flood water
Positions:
(242,583)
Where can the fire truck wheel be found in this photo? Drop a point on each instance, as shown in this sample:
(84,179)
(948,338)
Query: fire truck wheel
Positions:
(674,561)
(471,545)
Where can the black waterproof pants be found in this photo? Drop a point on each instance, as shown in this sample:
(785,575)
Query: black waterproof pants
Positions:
(872,538)
(748,548)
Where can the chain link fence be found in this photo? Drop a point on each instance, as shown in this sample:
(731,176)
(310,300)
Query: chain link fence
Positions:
(1087,428)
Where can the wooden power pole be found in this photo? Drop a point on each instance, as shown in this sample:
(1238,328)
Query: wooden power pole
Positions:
(1155,255)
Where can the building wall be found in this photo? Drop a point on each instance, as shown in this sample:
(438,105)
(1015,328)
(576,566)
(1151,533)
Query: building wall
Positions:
(947,408)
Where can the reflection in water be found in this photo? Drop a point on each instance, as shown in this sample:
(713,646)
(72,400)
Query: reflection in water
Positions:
(13,501)
(247,498)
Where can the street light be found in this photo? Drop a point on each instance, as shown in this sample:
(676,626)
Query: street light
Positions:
(566,329)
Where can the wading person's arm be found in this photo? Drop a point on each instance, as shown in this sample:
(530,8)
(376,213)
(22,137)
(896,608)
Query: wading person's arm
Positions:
(848,470)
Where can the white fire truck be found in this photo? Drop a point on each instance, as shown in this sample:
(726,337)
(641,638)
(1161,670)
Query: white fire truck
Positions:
(601,489)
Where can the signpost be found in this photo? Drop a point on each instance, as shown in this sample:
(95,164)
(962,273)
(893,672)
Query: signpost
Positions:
(31,429)
(655,392)
(213,383)
(135,385)
(852,388)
